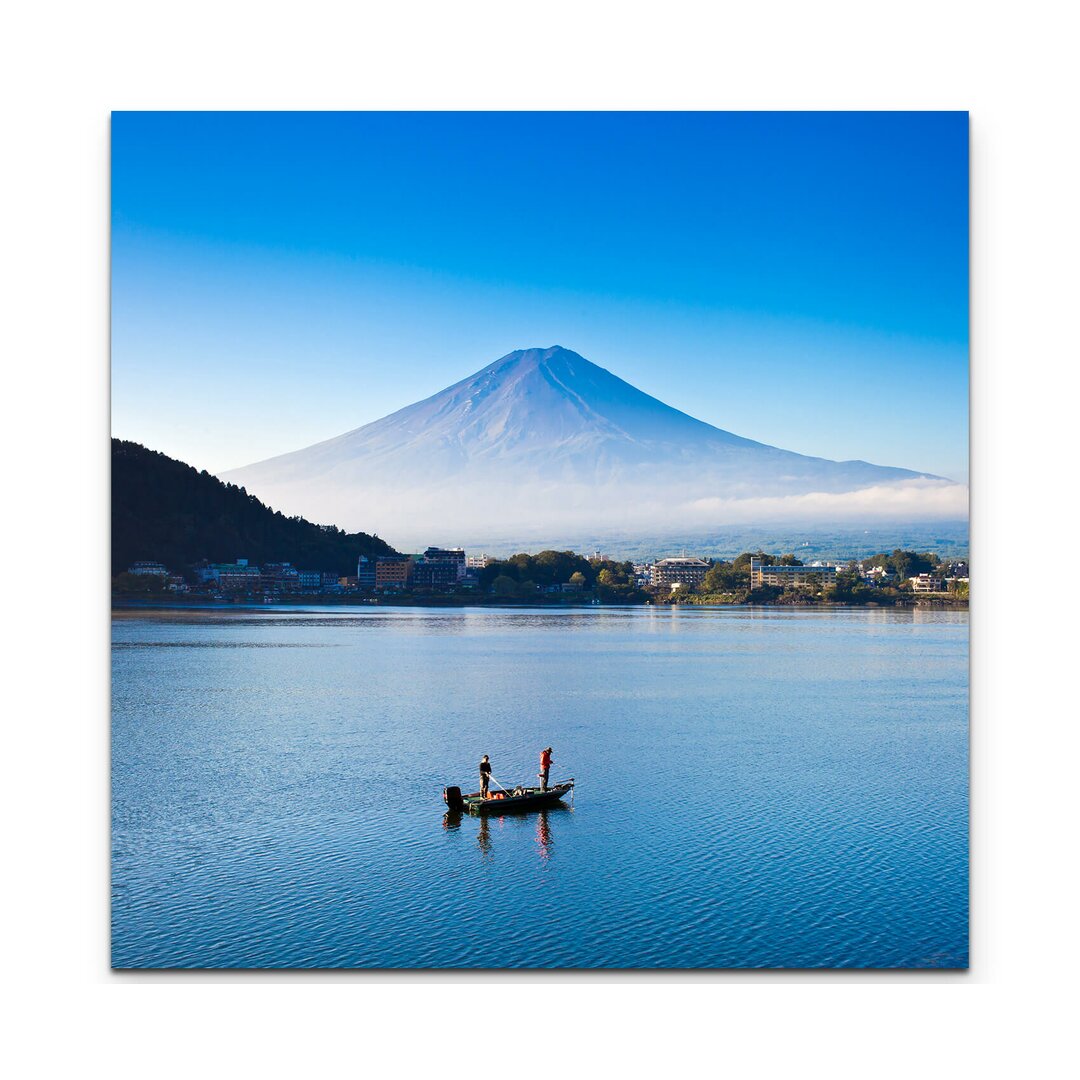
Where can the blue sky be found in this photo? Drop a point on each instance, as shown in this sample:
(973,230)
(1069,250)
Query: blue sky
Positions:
(797,278)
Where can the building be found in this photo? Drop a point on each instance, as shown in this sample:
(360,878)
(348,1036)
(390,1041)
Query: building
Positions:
(309,579)
(234,577)
(433,573)
(155,568)
(926,583)
(478,562)
(454,556)
(239,578)
(790,577)
(281,577)
(392,571)
(678,573)
(879,575)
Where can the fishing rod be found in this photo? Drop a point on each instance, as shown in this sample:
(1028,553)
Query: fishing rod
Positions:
(497,784)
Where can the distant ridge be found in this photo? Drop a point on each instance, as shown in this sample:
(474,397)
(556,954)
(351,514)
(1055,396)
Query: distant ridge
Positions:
(543,438)
(166,511)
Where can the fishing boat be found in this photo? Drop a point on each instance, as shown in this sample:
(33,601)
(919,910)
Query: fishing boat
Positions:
(518,801)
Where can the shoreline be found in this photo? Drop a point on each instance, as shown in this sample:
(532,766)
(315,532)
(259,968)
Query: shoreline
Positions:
(196,604)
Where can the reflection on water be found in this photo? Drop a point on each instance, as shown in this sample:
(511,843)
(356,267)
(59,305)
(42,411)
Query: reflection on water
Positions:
(452,820)
(543,835)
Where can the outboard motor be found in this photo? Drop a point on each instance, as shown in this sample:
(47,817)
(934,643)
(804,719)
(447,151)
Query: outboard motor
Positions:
(453,798)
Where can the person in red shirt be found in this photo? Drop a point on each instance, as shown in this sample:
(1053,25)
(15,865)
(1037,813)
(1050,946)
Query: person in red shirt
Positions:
(545,767)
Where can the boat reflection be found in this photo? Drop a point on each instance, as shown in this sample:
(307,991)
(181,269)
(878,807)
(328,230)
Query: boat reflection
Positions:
(543,834)
(483,837)
(489,825)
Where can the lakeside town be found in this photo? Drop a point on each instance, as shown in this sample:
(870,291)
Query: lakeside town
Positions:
(451,575)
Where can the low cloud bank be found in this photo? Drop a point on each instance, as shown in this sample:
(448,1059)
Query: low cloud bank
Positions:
(922,499)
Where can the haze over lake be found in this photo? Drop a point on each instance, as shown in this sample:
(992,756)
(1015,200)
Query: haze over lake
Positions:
(756,787)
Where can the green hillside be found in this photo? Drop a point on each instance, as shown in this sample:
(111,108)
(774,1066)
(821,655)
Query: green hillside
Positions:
(166,511)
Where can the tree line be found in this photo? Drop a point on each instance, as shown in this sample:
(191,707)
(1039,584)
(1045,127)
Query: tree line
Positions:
(522,576)
(731,580)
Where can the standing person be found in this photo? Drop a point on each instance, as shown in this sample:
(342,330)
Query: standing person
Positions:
(485,776)
(545,767)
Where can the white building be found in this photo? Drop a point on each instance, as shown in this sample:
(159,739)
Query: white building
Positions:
(926,583)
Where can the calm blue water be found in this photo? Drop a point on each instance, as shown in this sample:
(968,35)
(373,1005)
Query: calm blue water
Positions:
(757,788)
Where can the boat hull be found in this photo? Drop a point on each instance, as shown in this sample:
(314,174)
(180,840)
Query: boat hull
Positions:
(532,799)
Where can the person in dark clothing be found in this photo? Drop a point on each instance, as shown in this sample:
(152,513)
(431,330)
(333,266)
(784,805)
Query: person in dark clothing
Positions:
(485,776)
(545,767)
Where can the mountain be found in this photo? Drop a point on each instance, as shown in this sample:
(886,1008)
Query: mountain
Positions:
(166,511)
(543,440)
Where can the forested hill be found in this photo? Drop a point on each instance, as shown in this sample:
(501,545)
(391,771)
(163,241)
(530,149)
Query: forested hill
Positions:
(166,511)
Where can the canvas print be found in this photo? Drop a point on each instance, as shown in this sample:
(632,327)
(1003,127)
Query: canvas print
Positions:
(540,540)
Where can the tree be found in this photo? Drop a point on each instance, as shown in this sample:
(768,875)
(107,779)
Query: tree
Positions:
(504,586)
(723,577)
(577,578)
(743,561)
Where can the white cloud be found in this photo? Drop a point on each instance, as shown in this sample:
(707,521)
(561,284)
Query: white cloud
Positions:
(921,500)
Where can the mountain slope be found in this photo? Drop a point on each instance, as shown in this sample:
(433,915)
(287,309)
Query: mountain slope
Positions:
(543,434)
(166,511)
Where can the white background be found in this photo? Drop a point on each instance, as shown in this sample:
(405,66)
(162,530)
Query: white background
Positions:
(65,66)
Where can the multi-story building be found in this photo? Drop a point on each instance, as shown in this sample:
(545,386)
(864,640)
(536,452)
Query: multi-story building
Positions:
(926,583)
(790,577)
(383,571)
(478,562)
(234,577)
(234,580)
(309,579)
(155,568)
(430,573)
(281,577)
(678,573)
(392,571)
(454,556)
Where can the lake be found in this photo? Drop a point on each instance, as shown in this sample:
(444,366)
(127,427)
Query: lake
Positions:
(756,787)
